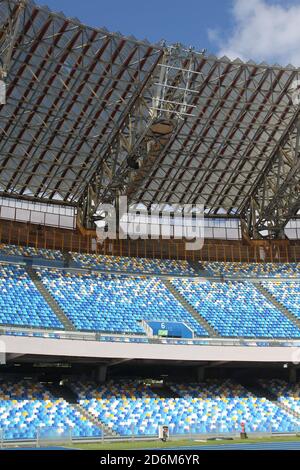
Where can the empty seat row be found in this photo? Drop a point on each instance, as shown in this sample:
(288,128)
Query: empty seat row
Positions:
(116,304)
(286,293)
(132,407)
(21,304)
(133,265)
(28,411)
(276,270)
(236,309)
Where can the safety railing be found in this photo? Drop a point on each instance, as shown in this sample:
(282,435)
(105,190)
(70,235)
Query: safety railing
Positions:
(66,438)
(124,338)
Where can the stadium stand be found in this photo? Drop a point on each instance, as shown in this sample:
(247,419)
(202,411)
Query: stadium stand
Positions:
(236,309)
(90,115)
(136,265)
(286,293)
(118,304)
(287,394)
(102,262)
(26,409)
(133,265)
(126,408)
(214,406)
(227,404)
(279,270)
(23,251)
(21,304)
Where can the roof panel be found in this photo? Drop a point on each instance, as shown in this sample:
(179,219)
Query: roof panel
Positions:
(70,87)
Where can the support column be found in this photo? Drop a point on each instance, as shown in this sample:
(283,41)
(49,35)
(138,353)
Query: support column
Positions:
(292,375)
(275,199)
(200,374)
(101,374)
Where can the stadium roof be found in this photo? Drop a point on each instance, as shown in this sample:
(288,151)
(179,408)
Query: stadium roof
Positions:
(71,89)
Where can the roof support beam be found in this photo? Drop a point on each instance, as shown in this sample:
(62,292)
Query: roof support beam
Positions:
(166,102)
(276,198)
(8,37)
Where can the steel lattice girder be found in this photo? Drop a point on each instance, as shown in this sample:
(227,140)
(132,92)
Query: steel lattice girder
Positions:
(68,89)
(73,91)
(276,199)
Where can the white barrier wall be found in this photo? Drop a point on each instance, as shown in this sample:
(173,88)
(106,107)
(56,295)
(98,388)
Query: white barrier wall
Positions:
(113,350)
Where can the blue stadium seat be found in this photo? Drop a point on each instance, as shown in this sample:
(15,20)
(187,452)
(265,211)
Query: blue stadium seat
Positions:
(210,407)
(28,411)
(21,304)
(236,309)
(116,304)
(276,270)
(286,293)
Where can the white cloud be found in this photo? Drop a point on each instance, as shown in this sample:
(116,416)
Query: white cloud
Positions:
(263,31)
(214,35)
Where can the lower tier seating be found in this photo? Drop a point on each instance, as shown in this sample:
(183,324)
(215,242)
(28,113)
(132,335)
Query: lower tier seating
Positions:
(210,407)
(287,394)
(126,407)
(28,411)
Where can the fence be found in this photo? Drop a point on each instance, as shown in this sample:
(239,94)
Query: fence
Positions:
(55,438)
(213,250)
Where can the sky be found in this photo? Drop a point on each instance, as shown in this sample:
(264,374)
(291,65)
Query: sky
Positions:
(260,30)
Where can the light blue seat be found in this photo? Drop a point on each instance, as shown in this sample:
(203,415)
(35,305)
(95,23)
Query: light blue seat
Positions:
(236,309)
(286,293)
(115,303)
(21,304)
(213,406)
(276,270)
(28,411)
(133,265)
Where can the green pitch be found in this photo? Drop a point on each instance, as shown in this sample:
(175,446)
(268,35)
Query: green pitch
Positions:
(132,445)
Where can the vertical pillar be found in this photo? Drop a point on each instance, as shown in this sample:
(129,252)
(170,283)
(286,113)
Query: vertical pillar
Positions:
(101,373)
(292,375)
(200,374)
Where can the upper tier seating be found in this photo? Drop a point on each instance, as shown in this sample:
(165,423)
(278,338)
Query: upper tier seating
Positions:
(210,407)
(153,266)
(104,262)
(27,409)
(236,309)
(13,250)
(253,269)
(133,265)
(98,302)
(286,293)
(118,303)
(21,304)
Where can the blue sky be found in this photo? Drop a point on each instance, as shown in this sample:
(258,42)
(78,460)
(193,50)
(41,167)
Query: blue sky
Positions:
(262,30)
(172,20)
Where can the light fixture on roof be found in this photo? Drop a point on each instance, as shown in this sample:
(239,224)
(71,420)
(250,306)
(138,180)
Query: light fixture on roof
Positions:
(133,164)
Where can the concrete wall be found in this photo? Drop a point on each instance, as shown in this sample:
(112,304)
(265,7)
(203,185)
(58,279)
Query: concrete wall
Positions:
(102,350)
